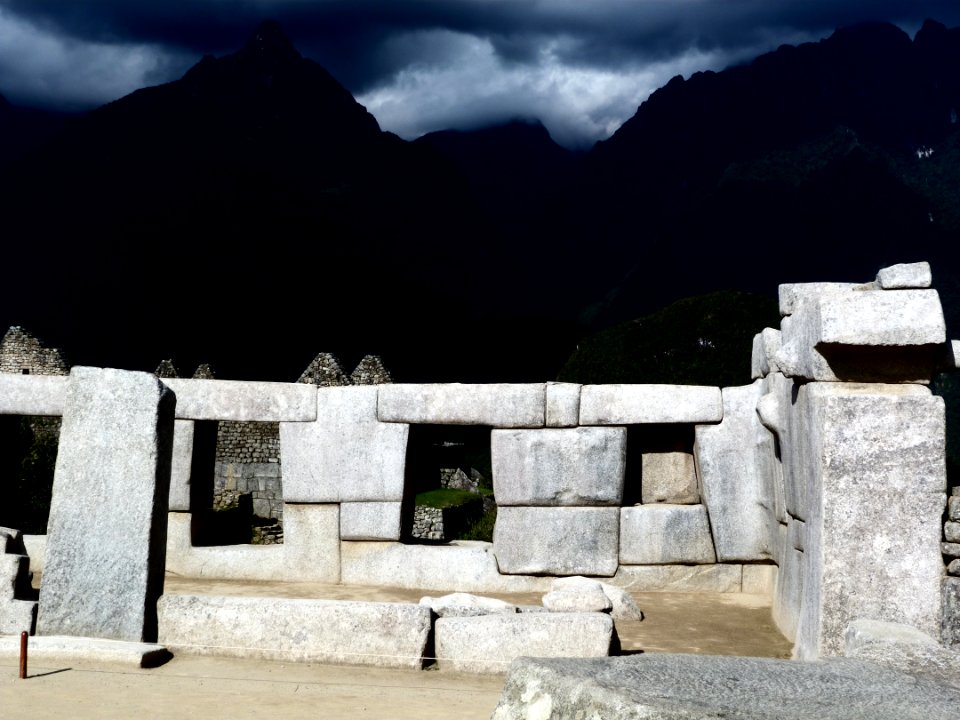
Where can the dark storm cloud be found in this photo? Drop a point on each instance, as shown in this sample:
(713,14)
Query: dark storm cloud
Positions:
(586,65)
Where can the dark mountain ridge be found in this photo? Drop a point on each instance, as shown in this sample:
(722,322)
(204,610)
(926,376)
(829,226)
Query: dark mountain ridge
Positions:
(252,213)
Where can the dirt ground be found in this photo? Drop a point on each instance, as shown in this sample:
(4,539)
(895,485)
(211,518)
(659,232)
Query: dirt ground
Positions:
(212,687)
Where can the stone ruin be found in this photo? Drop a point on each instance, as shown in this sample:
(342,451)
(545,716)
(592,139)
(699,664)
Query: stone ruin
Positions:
(821,484)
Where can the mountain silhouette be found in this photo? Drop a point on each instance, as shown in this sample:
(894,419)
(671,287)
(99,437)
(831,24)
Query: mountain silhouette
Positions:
(252,214)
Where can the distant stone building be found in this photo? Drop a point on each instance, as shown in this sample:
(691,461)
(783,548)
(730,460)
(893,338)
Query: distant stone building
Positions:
(23,354)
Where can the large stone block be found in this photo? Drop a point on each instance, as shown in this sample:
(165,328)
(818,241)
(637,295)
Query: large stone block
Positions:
(557,541)
(370,521)
(243,400)
(296,629)
(563,404)
(32,394)
(464,565)
(635,404)
(792,295)
(494,404)
(737,466)
(665,535)
(489,643)
(702,687)
(347,455)
(669,477)
(106,538)
(865,335)
(877,478)
(576,466)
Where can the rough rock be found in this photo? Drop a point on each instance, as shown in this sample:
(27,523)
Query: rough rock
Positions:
(665,534)
(905,275)
(466,605)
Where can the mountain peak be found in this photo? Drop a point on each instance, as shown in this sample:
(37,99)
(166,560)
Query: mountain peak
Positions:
(270,44)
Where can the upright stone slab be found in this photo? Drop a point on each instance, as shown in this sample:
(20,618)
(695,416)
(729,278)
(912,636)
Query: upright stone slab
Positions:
(877,481)
(665,534)
(737,460)
(106,537)
(347,455)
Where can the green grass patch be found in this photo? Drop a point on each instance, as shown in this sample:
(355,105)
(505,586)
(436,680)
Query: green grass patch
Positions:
(445,498)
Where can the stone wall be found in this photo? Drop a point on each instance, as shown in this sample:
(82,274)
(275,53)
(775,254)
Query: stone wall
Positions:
(822,483)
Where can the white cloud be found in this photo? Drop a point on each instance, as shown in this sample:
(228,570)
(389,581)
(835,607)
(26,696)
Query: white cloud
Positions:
(471,85)
(38,67)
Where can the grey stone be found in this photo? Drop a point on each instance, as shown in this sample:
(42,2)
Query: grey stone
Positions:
(36,549)
(106,538)
(620,603)
(557,541)
(950,628)
(467,565)
(569,467)
(17,616)
(635,404)
(736,462)
(875,336)
(953,508)
(55,650)
(310,551)
(788,596)
(698,687)
(950,549)
(954,567)
(879,473)
(763,360)
(370,521)
(719,578)
(792,295)
(582,599)
(669,477)
(665,535)
(904,648)
(466,605)
(243,400)
(14,575)
(951,531)
(495,404)
(490,643)
(296,629)
(563,404)
(905,275)
(347,455)
(181,466)
(32,394)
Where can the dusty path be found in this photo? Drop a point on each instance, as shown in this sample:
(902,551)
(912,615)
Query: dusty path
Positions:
(213,688)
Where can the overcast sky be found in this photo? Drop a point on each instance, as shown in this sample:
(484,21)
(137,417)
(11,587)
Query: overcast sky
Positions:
(580,66)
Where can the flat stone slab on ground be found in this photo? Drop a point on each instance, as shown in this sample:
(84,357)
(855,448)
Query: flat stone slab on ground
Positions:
(691,687)
(488,644)
(297,629)
(47,649)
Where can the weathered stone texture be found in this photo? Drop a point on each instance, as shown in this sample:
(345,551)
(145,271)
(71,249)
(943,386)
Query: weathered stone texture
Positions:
(569,467)
(370,521)
(296,630)
(563,404)
(32,394)
(905,275)
(506,405)
(557,541)
(243,400)
(763,359)
(719,578)
(106,534)
(347,454)
(737,465)
(877,471)
(635,404)
(488,644)
(665,535)
(950,627)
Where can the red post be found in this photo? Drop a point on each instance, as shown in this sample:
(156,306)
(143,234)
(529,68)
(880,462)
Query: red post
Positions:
(23,655)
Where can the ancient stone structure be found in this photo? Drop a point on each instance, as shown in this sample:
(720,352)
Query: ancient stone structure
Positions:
(821,484)
(24,354)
